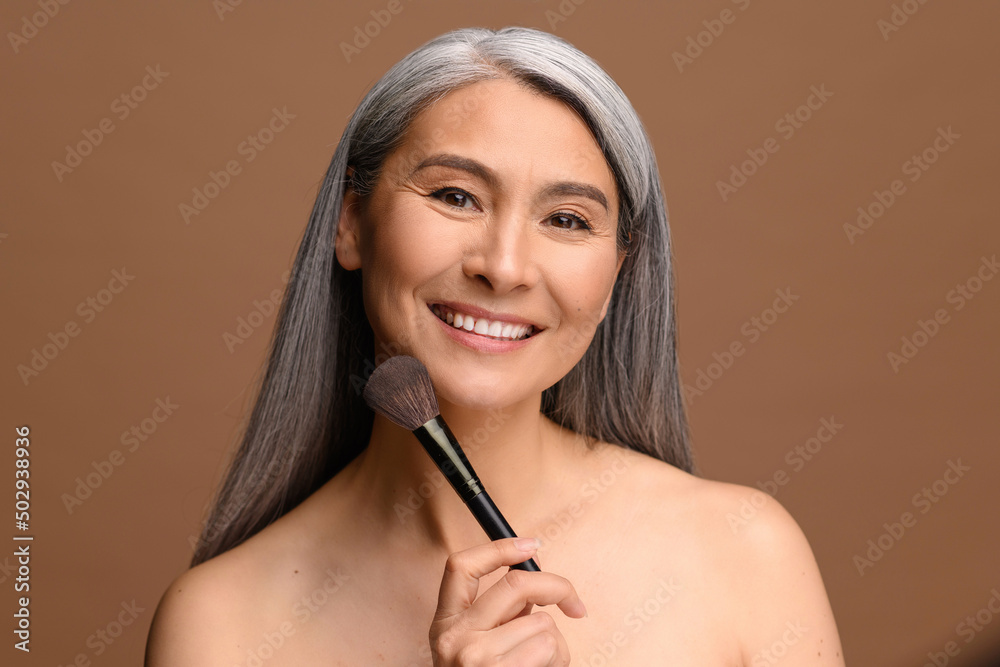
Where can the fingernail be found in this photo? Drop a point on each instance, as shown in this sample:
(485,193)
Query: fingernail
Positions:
(527,543)
(585,614)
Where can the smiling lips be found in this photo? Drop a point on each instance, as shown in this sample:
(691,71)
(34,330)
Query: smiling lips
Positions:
(497,329)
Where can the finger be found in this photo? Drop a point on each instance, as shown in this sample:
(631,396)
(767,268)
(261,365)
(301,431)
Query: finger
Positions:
(529,606)
(540,650)
(507,597)
(538,561)
(460,583)
(509,635)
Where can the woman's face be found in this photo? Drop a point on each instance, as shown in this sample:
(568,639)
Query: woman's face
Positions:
(498,212)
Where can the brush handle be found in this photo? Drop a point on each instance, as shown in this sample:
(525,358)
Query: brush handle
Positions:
(447,454)
(442,446)
(492,521)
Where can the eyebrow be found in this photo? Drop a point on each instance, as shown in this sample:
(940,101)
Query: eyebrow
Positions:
(487,175)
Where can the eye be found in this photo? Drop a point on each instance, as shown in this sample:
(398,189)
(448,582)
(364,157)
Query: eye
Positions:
(454,197)
(569,221)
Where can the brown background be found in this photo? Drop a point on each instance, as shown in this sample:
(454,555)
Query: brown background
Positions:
(163,335)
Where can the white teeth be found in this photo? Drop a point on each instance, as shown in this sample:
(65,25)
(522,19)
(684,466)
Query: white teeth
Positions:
(483,326)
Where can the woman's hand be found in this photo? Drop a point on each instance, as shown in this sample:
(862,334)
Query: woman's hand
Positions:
(499,628)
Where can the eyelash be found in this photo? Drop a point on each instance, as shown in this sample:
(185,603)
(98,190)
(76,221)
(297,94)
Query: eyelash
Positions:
(566,214)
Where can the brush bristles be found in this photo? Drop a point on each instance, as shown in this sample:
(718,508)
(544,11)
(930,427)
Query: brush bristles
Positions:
(400,389)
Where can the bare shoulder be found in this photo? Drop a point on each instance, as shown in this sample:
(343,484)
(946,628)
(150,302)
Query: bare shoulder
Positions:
(212,612)
(785,607)
(199,615)
(745,550)
(733,519)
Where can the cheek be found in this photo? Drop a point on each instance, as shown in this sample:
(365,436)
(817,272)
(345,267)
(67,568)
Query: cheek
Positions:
(402,252)
(408,244)
(581,290)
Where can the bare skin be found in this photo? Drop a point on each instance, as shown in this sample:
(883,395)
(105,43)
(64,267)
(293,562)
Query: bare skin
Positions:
(385,564)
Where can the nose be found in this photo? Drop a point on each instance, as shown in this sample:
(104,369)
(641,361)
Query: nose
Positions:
(500,255)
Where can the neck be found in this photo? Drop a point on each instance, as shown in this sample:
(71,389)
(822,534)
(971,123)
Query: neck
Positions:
(400,489)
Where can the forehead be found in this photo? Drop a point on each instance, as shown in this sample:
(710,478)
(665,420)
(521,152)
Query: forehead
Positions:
(512,129)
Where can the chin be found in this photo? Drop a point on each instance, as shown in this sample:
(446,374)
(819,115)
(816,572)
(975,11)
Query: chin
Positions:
(472,395)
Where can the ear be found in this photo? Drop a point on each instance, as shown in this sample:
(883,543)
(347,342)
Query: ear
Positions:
(607,302)
(346,243)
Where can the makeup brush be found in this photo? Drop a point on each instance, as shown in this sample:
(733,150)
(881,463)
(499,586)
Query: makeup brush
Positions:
(400,389)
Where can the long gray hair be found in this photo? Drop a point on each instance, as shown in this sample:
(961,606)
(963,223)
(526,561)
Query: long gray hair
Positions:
(309,419)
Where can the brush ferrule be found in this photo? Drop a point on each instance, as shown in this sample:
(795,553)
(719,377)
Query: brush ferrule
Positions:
(444,449)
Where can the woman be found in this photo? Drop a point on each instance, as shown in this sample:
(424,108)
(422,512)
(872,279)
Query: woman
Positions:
(494,210)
